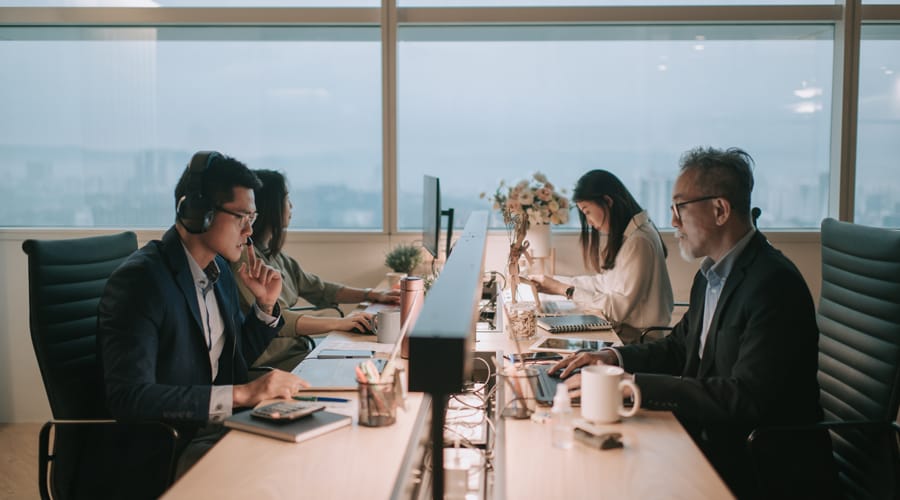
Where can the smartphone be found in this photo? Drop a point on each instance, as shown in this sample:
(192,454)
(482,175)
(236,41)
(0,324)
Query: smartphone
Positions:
(605,441)
(534,356)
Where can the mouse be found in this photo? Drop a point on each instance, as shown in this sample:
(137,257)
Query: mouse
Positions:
(362,330)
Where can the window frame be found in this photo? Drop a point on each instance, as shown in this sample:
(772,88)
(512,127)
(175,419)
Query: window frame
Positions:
(846,16)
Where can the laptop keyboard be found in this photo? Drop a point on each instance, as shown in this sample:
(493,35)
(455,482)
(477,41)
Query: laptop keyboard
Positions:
(544,384)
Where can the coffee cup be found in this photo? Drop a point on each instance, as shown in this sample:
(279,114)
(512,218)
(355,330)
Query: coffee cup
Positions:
(601,394)
(387,326)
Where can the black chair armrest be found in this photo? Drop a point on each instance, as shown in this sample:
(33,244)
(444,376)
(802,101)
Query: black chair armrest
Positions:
(317,308)
(159,431)
(865,425)
(649,329)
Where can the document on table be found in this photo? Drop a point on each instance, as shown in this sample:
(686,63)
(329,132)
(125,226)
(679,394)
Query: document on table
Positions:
(354,345)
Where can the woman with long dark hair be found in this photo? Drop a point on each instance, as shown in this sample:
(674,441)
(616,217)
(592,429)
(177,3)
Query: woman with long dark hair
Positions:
(630,282)
(273,205)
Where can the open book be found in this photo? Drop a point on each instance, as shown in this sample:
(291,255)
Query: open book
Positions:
(303,428)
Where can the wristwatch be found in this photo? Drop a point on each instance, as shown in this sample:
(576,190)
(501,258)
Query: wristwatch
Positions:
(366,293)
(569,292)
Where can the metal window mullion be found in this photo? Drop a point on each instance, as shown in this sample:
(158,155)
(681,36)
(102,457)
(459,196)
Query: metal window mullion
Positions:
(844,112)
(389,115)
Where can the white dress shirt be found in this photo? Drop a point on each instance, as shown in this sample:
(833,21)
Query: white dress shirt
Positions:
(637,290)
(221,398)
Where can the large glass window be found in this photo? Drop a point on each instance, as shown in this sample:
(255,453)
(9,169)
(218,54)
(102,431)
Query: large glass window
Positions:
(877,196)
(98,124)
(481,104)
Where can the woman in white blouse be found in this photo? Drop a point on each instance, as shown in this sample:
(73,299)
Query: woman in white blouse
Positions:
(630,286)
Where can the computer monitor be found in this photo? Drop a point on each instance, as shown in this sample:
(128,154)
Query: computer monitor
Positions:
(431,216)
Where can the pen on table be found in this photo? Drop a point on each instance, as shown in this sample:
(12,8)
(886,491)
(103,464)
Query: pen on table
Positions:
(322,399)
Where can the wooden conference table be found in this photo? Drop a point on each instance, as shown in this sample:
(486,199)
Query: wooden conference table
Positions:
(659,459)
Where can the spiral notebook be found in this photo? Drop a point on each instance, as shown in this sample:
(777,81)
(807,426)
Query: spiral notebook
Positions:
(573,323)
(298,430)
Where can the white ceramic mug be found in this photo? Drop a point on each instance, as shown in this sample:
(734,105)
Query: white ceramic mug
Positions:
(601,394)
(387,326)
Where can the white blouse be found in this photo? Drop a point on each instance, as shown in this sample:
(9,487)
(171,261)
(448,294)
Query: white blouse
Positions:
(637,290)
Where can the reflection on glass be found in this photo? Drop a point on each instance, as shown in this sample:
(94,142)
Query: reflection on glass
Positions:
(877,197)
(477,105)
(98,124)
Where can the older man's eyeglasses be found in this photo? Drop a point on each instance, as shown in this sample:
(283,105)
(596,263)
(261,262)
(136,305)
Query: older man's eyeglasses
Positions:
(676,207)
(244,218)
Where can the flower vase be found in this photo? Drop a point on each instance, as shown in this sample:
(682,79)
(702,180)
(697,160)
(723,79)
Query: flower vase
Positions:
(538,237)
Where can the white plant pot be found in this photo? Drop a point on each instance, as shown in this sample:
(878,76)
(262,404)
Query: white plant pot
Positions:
(538,237)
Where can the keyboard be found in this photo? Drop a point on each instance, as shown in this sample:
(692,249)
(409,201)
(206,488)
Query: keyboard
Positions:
(544,384)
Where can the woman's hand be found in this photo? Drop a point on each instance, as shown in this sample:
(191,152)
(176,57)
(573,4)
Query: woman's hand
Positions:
(386,296)
(546,284)
(360,322)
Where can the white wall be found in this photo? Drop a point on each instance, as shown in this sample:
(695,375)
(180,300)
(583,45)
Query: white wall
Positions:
(356,260)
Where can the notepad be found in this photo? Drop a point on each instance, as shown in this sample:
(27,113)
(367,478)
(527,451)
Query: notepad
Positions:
(295,431)
(573,323)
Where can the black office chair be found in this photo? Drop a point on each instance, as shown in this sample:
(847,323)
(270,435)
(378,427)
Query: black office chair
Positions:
(859,360)
(89,456)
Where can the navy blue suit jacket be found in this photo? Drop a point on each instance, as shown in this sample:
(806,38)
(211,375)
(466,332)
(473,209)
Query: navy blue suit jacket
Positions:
(151,342)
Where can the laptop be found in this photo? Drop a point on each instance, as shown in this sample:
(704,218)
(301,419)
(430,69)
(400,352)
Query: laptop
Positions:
(339,374)
(332,374)
(546,304)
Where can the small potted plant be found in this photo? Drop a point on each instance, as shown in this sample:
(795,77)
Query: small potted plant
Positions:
(404,258)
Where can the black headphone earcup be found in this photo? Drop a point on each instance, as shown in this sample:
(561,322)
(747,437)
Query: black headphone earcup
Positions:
(193,211)
(194,214)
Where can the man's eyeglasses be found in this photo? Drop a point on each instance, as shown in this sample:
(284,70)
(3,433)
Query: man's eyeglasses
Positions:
(676,207)
(246,219)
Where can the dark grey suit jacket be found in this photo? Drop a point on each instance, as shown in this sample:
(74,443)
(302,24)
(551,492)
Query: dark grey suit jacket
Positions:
(758,367)
(154,354)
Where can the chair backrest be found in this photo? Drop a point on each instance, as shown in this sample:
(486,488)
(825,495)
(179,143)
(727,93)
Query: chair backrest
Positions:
(65,281)
(859,347)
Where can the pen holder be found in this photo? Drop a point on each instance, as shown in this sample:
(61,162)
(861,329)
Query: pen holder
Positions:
(377,403)
(521,320)
(518,386)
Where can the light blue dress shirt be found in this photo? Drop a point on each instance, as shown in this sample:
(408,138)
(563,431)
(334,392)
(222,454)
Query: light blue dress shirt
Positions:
(716,273)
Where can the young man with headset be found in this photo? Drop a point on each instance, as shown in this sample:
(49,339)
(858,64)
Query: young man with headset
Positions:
(173,342)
